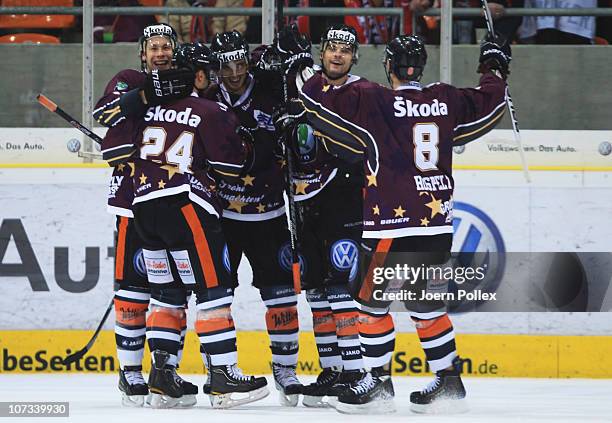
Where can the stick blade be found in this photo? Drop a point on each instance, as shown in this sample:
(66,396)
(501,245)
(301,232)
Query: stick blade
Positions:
(46,102)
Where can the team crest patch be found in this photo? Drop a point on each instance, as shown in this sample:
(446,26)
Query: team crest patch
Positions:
(121,86)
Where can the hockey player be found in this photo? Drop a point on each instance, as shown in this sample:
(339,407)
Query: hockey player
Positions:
(328,192)
(254,220)
(126,96)
(176,213)
(403,137)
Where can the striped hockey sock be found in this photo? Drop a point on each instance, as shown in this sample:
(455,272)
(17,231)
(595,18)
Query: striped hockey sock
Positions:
(215,327)
(131,306)
(324,328)
(346,320)
(282,323)
(437,340)
(377,335)
(164,330)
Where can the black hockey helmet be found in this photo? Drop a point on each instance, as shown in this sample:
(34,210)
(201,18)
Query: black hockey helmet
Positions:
(196,56)
(230,46)
(342,34)
(406,57)
(151,31)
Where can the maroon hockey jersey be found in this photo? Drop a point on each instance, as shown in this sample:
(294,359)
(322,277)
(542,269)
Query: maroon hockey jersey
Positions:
(257,195)
(180,144)
(405,139)
(108,113)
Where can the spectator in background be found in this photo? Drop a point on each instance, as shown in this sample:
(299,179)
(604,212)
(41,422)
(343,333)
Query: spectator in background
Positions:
(558,29)
(120,28)
(190,29)
(229,23)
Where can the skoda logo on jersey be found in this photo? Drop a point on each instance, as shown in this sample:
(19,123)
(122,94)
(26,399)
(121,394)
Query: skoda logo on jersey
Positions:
(226,260)
(139,263)
(344,256)
(475,232)
(285,259)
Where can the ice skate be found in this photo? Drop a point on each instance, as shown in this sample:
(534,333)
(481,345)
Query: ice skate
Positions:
(373,394)
(315,394)
(445,394)
(168,389)
(230,388)
(344,382)
(133,387)
(287,383)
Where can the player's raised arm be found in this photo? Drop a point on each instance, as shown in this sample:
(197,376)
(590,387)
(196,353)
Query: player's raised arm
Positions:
(481,108)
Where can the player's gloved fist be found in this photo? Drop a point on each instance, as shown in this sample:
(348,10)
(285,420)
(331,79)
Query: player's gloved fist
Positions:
(495,55)
(166,85)
(294,49)
(287,116)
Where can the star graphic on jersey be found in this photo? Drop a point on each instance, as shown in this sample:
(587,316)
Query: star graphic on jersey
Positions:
(424,222)
(281,162)
(143,179)
(399,211)
(376,210)
(161,184)
(172,170)
(212,187)
(300,187)
(435,206)
(132,168)
(248,180)
(120,167)
(371,180)
(325,88)
(261,208)
(236,205)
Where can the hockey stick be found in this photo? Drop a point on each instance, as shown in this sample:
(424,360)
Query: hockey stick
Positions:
(509,103)
(80,353)
(295,258)
(52,107)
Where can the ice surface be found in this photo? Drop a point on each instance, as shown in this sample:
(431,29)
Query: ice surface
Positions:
(95,398)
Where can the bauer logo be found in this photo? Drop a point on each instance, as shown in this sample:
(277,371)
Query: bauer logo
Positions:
(285,259)
(475,232)
(343,255)
(139,263)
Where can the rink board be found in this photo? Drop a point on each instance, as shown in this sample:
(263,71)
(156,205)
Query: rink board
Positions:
(485,355)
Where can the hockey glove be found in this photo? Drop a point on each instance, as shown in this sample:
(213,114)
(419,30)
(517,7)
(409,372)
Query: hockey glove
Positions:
(269,60)
(286,117)
(495,55)
(294,49)
(167,85)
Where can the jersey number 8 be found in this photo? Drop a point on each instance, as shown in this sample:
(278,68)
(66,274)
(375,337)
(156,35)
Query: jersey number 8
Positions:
(425,137)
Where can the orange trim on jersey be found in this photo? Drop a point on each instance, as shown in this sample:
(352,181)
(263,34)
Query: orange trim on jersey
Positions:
(323,322)
(214,325)
(282,318)
(129,313)
(206,261)
(371,325)
(347,324)
(120,248)
(437,326)
(378,260)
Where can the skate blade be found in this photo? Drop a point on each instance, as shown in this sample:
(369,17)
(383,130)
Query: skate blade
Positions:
(375,407)
(288,400)
(332,401)
(132,400)
(445,406)
(160,401)
(233,399)
(187,401)
(313,401)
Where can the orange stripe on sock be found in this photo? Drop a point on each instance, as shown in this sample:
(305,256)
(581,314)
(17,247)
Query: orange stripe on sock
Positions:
(282,318)
(163,319)
(347,324)
(131,314)
(206,261)
(213,325)
(323,322)
(434,327)
(120,248)
(378,260)
(371,325)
